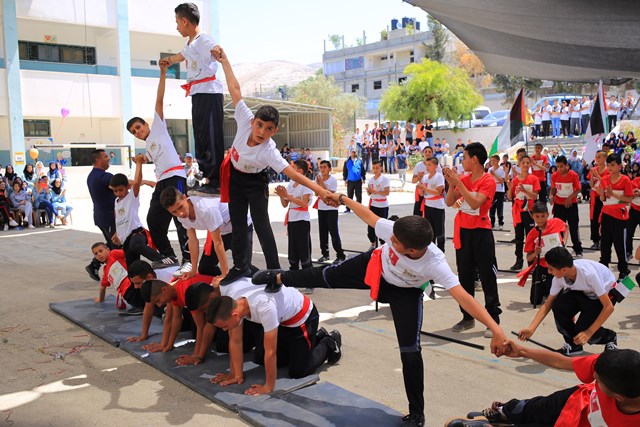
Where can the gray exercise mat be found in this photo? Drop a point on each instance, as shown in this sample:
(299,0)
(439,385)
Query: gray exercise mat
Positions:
(320,405)
(197,377)
(103,319)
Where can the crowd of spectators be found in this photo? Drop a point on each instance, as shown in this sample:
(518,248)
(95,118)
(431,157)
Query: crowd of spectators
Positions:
(37,190)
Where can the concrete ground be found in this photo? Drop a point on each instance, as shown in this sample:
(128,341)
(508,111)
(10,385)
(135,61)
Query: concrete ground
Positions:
(55,373)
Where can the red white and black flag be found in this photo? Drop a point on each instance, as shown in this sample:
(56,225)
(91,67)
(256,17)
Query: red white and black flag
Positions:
(598,127)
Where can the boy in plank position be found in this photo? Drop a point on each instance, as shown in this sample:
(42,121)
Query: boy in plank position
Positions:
(328,216)
(378,190)
(129,231)
(608,396)
(580,286)
(244,176)
(396,273)
(297,198)
(159,293)
(285,334)
(169,173)
(565,187)
(472,236)
(114,275)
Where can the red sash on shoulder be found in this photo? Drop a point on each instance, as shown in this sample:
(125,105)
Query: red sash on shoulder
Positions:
(225,179)
(187,86)
(374,272)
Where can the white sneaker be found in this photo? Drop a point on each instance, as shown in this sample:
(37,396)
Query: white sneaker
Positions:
(6,227)
(52,226)
(12,223)
(31,227)
(184,268)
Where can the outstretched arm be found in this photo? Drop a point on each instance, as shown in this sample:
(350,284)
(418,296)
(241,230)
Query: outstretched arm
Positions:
(232,81)
(160,94)
(362,211)
(546,357)
(137,179)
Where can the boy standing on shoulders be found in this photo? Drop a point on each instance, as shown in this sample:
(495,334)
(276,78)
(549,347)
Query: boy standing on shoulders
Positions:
(244,176)
(328,216)
(378,190)
(206,96)
(472,236)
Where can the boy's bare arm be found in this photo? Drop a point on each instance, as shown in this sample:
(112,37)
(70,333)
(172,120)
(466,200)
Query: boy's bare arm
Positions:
(172,59)
(147,316)
(232,81)
(137,178)
(546,357)
(363,212)
(270,365)
(161,86)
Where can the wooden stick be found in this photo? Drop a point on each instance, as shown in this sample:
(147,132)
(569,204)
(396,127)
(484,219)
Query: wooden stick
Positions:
(442,337)
(536,342)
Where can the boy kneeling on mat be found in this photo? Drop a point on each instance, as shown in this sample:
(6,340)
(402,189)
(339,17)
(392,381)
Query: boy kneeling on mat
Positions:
(396,273)
(608,396)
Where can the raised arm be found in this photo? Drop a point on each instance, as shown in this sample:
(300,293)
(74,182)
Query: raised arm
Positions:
(137,179)
(232,81)
(161,85)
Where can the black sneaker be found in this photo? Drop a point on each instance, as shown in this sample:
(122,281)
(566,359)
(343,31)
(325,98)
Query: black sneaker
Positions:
(493,414)
(169,261)
(463,325)
(570,350)
(612,345)
(336,347)
(622,275)
(413,420)
(206,190)
(235,274)
(324,259)
(339,259)
(320,334)
(93,272)
(133,311)
(517,266)
(595,246)
(269,278)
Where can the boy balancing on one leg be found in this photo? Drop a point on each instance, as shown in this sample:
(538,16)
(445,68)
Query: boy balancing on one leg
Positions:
(286,333)
(580,286)
(244,176)
(472,238)
(608,396)
(328,216)
(206,96)
(396,273)
(169,173)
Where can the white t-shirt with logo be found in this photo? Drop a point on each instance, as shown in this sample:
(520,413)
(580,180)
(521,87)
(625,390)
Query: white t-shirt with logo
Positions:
(332,185)
(546,113)
(499,173)
(208,215)
(379,184)
(200,64)
(127,218)
(162,152)
(298,191)
(253,159)
(592,278)
(404,272)
(586,108)
(431,200)
(421,167)
(613,108)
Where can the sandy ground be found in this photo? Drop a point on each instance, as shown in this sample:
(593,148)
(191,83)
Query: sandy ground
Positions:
(55,373)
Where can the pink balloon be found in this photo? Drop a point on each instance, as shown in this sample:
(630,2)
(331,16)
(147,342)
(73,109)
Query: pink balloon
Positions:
(65,112)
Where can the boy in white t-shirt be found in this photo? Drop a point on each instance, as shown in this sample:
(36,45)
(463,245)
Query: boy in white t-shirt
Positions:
(130,234)
(244,176)
(287,332)
(328,216)
(396,273)
(297,198)
(432,188)
(497,205)
(578,286)
(206,96)
(200,213)
(378,190)
(169,173)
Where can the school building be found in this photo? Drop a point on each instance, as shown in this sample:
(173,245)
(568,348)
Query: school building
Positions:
(74,71)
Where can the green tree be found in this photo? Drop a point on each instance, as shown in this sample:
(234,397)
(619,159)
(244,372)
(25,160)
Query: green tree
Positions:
(510,85)
(433,90)
(336,40)
(323,91)
(436,51)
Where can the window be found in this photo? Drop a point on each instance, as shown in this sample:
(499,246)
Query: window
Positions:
(333,67)
(384,58)
(401,80)
(354,63)
(49,52)
(35,128)
(411,57)
(355,88)
(377,84)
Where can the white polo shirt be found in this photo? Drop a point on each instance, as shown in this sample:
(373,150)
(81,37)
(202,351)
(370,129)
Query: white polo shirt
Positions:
(162,152)
(379,184)
(127,218)
(200,64)
(298,191)
(592,278)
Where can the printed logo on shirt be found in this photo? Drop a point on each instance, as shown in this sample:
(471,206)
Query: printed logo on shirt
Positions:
(153,146)
(121,212)
(393,257)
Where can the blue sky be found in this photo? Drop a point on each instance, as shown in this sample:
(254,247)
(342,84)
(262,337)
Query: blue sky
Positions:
(294,30)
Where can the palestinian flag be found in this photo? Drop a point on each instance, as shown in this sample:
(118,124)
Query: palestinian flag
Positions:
(511,131)
(621,289)
(598,127)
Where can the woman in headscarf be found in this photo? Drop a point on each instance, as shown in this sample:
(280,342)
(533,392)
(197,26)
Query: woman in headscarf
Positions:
(9,175)
(59,201)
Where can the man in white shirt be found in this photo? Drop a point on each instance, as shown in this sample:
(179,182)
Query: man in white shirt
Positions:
(396,273)
(612,111)
(578,286)
(585,111)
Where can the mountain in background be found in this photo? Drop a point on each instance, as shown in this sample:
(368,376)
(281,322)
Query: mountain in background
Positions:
(263,79)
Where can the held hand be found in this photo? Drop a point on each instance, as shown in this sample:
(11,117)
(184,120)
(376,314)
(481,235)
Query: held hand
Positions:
(188,359)
(281,191)
(163,64)
(525,334)
(515,350)
(257,390)
(217,279)
(219,54)
(538,250)
(583,337)
(137,339)
(499,345)
(226,379)
(139,159)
